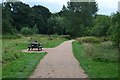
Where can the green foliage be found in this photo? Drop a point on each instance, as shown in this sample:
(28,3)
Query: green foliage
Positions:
(40,16)
(79,16)
(95,69)
(103,52)
(66,36)
(35,29)
(27,31)
(56,25)
(88,40)
(6,22)
(15,12)
(101,25)
(115,28)
(104,39)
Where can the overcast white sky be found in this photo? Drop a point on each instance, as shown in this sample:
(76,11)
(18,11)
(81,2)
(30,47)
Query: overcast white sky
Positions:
(105,6)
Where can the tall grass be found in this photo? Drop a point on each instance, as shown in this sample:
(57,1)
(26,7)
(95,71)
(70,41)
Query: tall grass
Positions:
(95,69)
(88,39)
(103,52)
(11,36)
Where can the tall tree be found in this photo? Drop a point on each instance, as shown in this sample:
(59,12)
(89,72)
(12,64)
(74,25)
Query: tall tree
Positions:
(40,16)
(80,15)
(21,14)
(101,25)
(56,25)
(115,29)
(6,20)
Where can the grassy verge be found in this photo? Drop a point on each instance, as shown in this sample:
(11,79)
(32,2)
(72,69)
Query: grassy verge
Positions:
(22,67)
(94,69)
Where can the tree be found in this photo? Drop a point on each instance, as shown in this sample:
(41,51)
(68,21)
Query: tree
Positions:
(40,16)
(56,25)
(101,25)
(79,16)
(115,29)
(6,21)
(21,14)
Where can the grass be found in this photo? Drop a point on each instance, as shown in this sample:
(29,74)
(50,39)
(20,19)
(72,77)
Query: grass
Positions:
(104,52)
(12,47)
(22,67)
(94,69)
(88,39)
(11,36)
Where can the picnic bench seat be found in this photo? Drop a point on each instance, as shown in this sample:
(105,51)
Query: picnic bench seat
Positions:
(35,45)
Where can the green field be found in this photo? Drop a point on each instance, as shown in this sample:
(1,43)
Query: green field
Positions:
(23,66)
(17,64)
(93,68)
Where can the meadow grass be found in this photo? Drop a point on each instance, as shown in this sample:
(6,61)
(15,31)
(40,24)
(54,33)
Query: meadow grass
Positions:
(11,36)
(94,69)
(104,52)
(17,64)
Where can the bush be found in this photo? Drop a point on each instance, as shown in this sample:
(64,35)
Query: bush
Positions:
(88,40)
(104,39)
(66,36)
(27,31)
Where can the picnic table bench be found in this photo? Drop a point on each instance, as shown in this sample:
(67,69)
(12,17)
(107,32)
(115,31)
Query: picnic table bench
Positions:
(35,45)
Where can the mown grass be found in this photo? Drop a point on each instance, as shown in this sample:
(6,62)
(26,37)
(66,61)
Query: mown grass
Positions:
(94,69)
(22,67)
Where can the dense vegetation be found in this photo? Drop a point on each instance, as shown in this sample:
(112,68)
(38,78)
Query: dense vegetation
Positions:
(75,19)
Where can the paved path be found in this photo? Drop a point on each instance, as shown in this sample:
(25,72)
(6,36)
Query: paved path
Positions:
(59,63)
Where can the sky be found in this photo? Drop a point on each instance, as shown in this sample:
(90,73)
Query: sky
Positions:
(106,7)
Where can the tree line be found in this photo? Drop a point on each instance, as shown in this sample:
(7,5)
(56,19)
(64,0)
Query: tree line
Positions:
(76,19)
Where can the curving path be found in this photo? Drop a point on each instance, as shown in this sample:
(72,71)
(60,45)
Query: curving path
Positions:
(59,63)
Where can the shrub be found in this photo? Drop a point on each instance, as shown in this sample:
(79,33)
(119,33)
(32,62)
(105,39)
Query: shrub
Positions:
(88,40)
(103,39)
(66,36)
(26,31)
